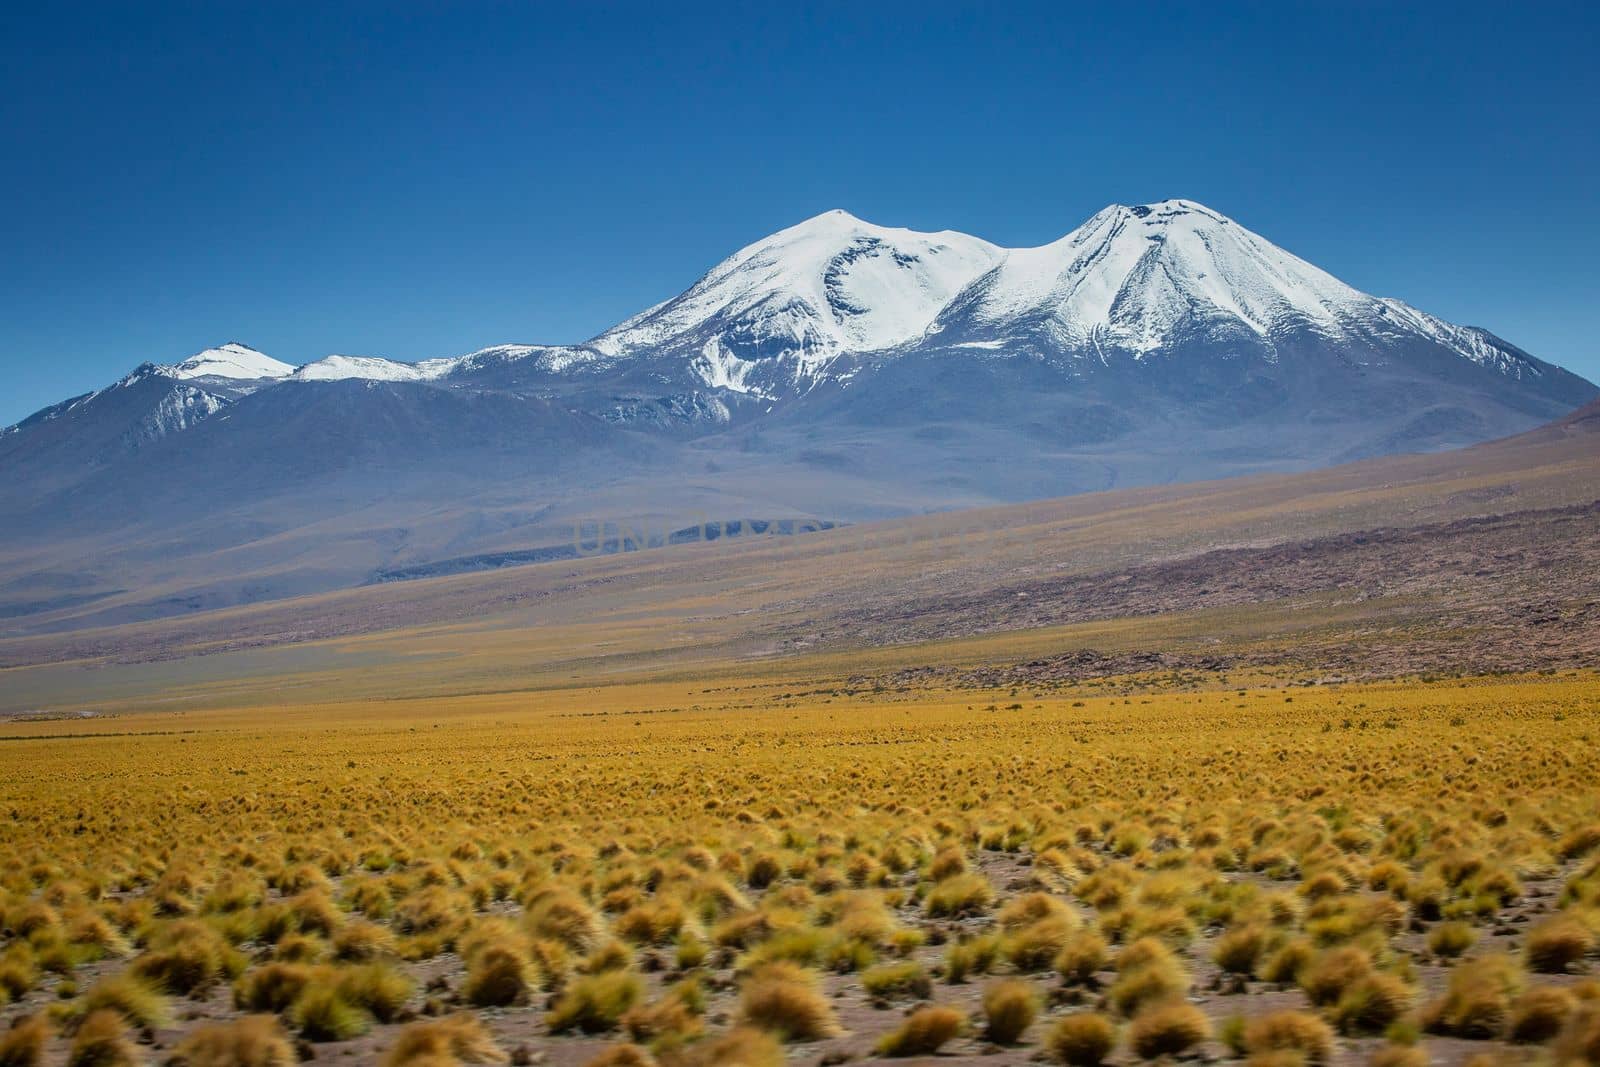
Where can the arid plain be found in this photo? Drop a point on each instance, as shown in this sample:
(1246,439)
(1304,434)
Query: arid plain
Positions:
(1292,769)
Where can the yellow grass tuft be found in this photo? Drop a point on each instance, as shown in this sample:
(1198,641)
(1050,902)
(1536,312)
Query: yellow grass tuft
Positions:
(783,999)
(924,1033)
(253,1041)
(1009,1008)
(103,1040)
(595,1003)
(454,1039)
(1084,1039)
(1168,1029)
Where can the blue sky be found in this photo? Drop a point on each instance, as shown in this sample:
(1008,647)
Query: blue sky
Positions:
(422,180)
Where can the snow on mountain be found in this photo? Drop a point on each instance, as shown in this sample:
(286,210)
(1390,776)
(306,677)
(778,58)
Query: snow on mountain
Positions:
(835,298)
(1469,342)
(372,368)
(551,359)
(231,360)
(1131,276)
(178,411)
(828,285)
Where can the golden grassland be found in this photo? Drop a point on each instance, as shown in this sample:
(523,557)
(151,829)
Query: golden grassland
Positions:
(743,870)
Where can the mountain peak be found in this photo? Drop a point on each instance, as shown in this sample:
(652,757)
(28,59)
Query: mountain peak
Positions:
(1168,209)
(231,360)
(829,284)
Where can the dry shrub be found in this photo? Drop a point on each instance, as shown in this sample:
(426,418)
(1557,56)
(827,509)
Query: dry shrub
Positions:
(300,948)
(1556,943)
(1449,940)
(497,976)
(742,1046)
(186,956)
(103,1041)
(669,1017)
(595,1003)
(1289,962)
(1084,1039)
(254,1041)
(1579,1042)
(1035,947)
(129,998)
(1009,1008)
(1025,909)
(431,908)
(23,1044)
(459,1038)
(271,986)
(1238,950)
(627,1055)
(612,956)
(359,941)
(652,924)
(322,1013)
(947,863)
(1370,1004)
(783,998)
(1290,1031)
(977,955)
(1579,842)
(1148,972)
(906,979)
(924,1033)
(763,871)
(1539,1014)
(960,896)
(565,918)
(1082,957)
(1168,1029)
(375,988)
(1399,1056)
(1331,974)
(1477,1001)
(18,973)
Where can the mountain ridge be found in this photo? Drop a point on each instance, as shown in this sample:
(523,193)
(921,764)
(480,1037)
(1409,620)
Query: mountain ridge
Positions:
(835,371)
(1070,285)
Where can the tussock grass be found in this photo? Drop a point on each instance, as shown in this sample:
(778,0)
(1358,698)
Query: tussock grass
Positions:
(905,979)
(1298,1032)
(743,1046)
(596,1003)
(253,1041)
(1083,1039)
(1168,1029)
(1315,841)
(960,896)
(129,998)
(925,1032)
(974,956)
(322,1012)
(1009,1008)
(1084,955)
(1558,942)
(103,1040)
(783,999)
(460,1038)
(1239,950)
(23,1043)
(1539,1014)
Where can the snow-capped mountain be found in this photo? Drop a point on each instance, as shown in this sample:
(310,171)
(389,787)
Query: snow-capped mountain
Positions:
(775,315)
(1133,278)
(837,369)
(233,361)
(372,368)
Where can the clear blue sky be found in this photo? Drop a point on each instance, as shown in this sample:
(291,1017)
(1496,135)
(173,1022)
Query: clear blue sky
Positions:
(422,180)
